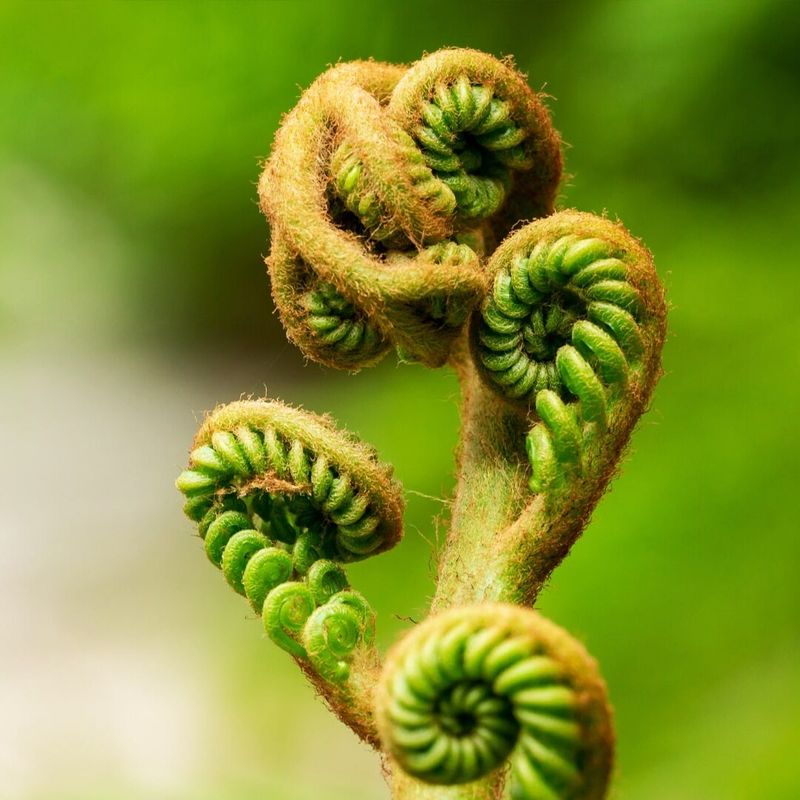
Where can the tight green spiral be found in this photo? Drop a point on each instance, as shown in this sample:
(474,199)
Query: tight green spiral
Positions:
(571,330)
(281,499)
(380,183)
(475,687)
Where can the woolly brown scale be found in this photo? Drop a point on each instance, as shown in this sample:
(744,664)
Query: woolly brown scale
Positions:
(363,175)
(350,183)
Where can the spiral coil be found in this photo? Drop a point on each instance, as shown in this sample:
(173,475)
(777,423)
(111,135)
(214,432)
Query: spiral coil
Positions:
(478,686)
(562,332)
(280,498)
(472,143)
(338,325)
(374,165)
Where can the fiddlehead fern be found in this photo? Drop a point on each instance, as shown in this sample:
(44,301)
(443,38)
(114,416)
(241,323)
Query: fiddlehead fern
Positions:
(572,330)
(470,689)
(376,168)
(280,497)
(386,190)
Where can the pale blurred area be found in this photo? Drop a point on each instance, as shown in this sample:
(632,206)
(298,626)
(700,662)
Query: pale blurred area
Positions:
(129,669)
(134,298)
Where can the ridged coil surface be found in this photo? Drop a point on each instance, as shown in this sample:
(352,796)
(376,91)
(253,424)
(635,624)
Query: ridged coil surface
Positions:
(561,333)
(473,689)
(281,500)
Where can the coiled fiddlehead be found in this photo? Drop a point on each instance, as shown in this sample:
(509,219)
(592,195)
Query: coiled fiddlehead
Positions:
(477,686)
(281,498)
(572,330)
(375,176)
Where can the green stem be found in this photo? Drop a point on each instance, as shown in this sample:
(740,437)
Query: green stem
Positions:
(490,494)
(504,541)
(352,702)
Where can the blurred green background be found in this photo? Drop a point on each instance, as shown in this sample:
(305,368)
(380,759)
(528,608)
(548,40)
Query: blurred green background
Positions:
(134,298)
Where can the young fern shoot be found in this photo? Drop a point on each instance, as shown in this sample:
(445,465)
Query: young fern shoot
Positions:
(392,193)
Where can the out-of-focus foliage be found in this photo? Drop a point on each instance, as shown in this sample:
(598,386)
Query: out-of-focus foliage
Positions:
(134,295)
